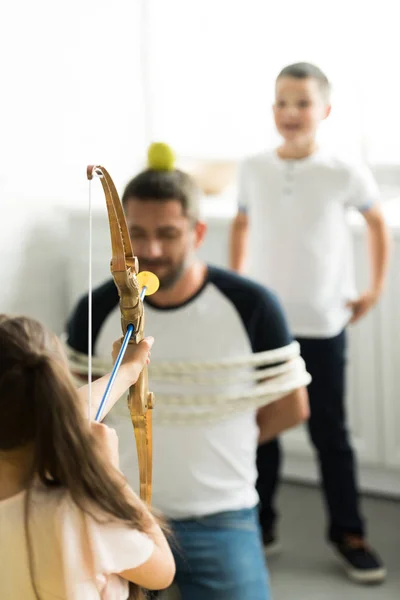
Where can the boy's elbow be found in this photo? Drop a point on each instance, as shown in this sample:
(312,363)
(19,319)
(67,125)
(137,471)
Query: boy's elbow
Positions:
(240,222)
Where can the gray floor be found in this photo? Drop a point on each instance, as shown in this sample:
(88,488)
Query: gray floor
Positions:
(306,569)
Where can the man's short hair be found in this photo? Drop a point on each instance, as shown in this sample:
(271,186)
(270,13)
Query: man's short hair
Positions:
(160,185)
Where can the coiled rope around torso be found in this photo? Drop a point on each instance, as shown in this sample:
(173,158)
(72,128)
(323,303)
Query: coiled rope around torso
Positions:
(212,390)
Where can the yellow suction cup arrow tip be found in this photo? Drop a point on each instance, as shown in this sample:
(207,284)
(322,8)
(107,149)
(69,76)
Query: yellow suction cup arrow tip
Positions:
(149,281)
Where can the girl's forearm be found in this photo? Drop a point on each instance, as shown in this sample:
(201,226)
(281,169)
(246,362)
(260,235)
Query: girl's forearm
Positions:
(121,384)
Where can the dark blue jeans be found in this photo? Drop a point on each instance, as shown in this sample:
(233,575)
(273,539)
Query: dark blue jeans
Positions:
(325,361)
(220,557)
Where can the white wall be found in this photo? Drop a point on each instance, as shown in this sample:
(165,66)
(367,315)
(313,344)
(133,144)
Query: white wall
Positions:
(71,95)
(223,57)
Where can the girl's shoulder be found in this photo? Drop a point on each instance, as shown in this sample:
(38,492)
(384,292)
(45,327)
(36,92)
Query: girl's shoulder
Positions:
(94,543)
(113,544)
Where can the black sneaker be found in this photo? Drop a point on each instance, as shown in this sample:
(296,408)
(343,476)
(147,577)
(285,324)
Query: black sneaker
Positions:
(360,562)
(271,543)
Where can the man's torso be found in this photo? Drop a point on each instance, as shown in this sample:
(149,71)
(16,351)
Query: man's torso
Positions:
(198,468)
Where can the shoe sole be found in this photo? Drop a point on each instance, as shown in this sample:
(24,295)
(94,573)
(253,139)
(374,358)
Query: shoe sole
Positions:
(370,576)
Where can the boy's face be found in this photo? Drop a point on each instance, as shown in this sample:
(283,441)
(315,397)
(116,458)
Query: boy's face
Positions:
(163,238)
(299,108)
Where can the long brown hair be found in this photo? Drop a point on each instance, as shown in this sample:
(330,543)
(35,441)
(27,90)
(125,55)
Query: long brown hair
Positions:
(39,405)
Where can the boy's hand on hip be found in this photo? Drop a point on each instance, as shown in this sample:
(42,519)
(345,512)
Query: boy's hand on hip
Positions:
(362,305)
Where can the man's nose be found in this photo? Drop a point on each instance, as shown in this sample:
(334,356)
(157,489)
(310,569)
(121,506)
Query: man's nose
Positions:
(153,248)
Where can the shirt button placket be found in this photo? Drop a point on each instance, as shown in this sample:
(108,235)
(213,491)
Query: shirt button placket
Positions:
(288,180)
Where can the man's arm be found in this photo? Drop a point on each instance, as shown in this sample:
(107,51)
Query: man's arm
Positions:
(379,250)
(238,242)
(268,329)
(283,414)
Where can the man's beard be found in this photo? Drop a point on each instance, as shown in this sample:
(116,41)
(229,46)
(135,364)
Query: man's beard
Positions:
(172,275)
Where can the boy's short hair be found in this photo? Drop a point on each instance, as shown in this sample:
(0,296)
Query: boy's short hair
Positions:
(305,70)
(159,185)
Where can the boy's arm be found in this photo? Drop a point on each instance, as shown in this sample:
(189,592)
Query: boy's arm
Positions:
(238,238)
(379,250)
(238,242)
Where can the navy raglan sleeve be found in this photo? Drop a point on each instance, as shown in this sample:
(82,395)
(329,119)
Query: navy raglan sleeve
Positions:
(77,327)
(258,307)
(266,325)
(104,300)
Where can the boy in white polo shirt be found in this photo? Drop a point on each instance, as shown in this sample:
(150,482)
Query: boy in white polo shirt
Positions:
(292,226)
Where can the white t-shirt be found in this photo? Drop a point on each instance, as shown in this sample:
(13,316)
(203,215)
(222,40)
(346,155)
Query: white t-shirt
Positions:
(61,557)
(198,469)
(299,241)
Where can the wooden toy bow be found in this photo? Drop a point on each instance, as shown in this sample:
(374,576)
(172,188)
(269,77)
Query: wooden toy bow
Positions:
(124,269)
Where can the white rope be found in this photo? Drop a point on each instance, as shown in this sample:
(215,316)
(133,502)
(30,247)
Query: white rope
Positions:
(199,377)
(216,377)
(181,408)
(273,385)
(79,360)
(252,360)
(213,413)
(165,416)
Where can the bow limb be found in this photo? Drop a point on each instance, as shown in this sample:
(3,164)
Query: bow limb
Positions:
(124,268)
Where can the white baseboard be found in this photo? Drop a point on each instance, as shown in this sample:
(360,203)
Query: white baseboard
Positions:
(372,480)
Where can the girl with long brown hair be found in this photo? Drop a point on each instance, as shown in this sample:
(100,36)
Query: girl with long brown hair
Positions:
(70,527)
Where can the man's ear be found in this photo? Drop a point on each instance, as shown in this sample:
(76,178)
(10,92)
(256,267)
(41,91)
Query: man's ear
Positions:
(200,230)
